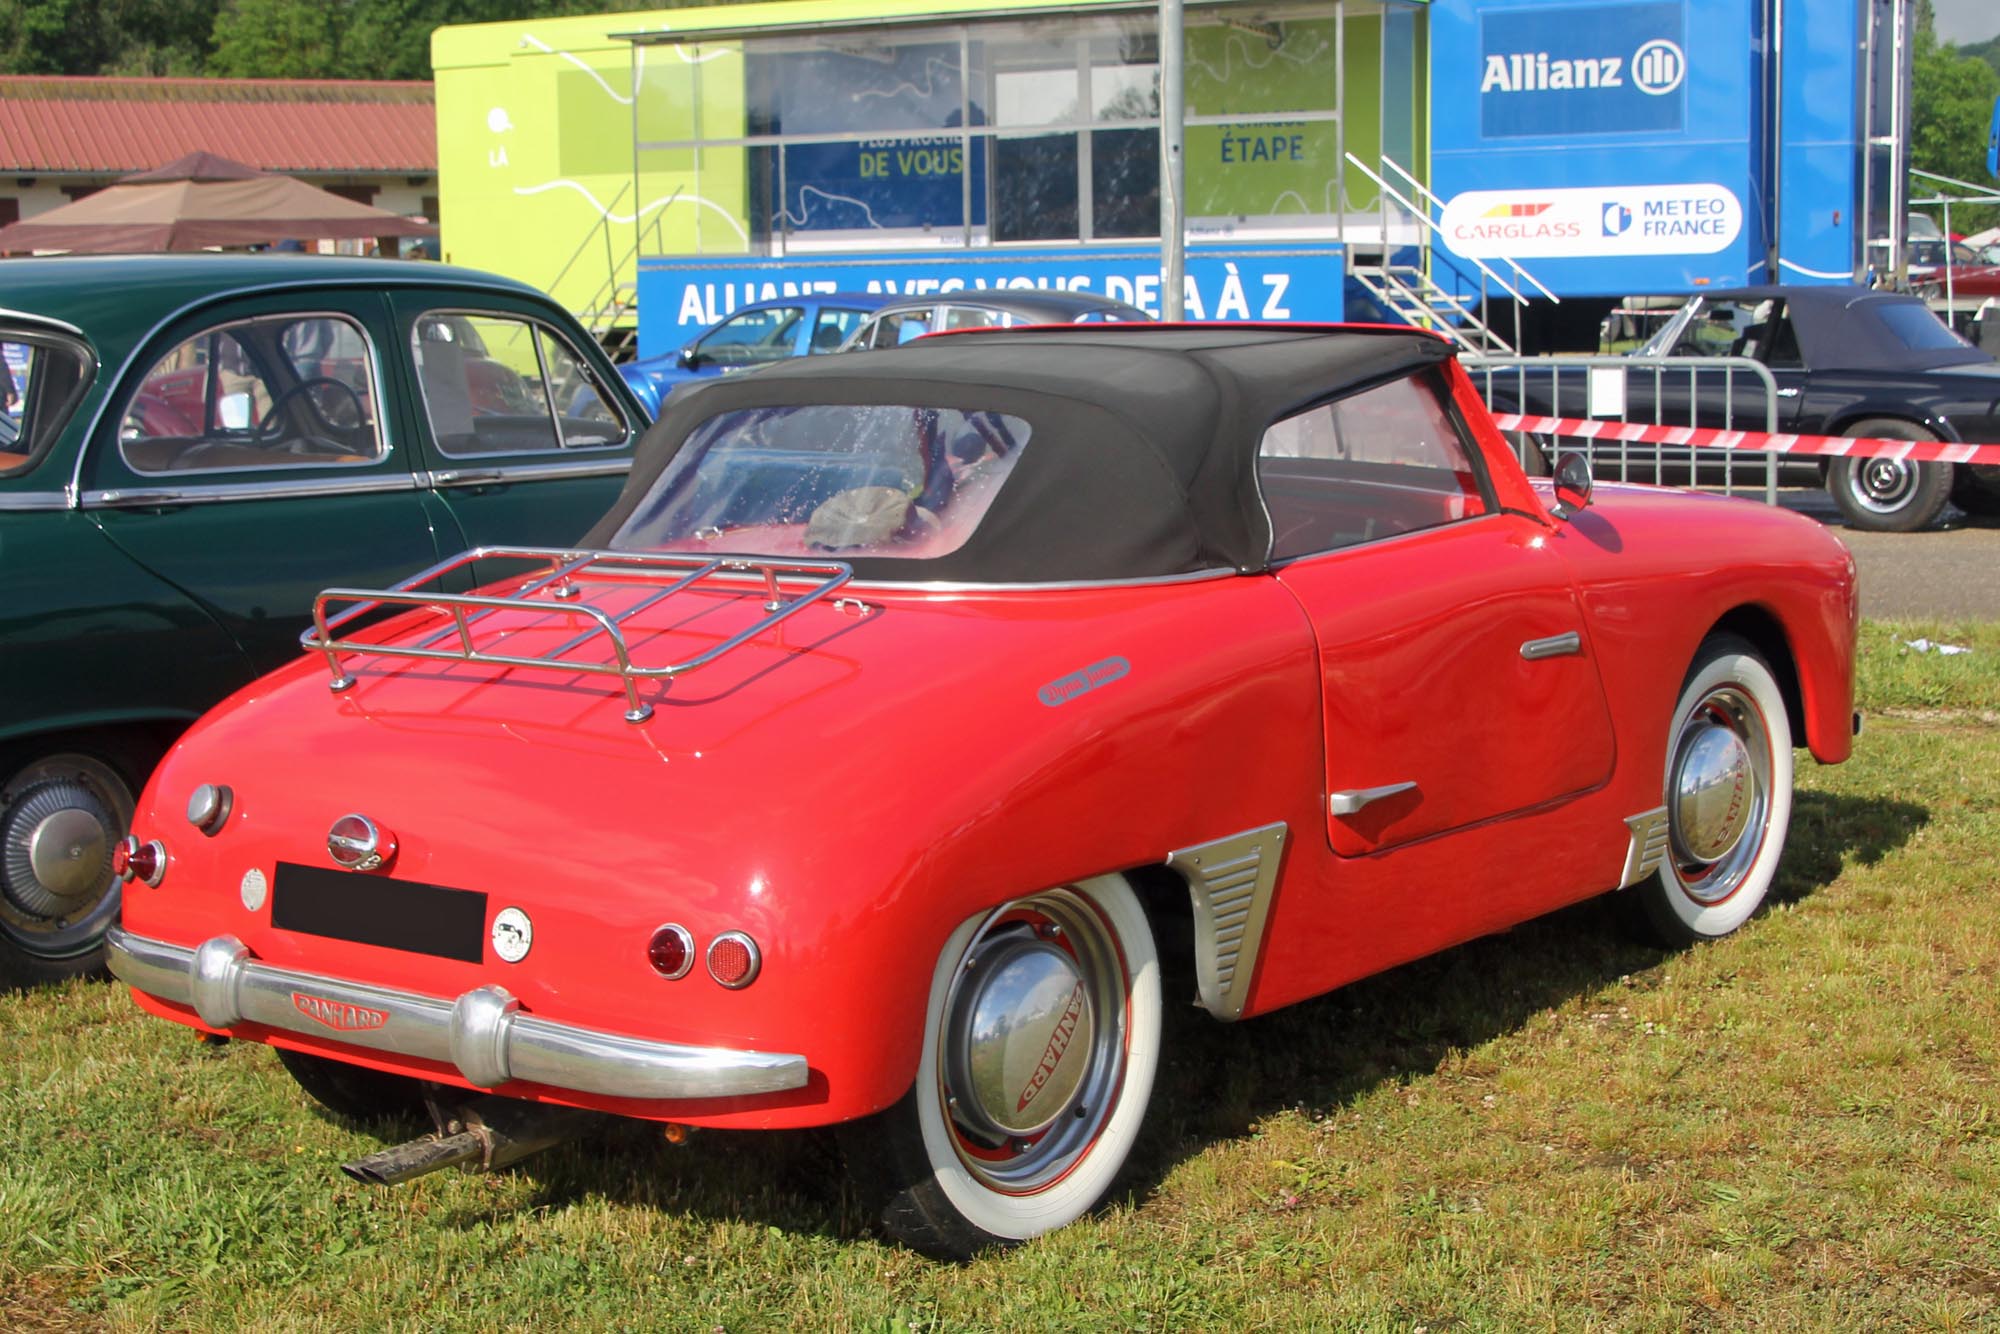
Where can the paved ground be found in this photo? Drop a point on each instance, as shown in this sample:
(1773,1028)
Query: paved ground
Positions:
(1950,572)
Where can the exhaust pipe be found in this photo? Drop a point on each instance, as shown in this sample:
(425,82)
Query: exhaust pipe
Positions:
(489,1133)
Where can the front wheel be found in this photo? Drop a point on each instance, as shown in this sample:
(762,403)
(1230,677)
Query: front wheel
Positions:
(1728,793)
(1041,1039)
(1881,494)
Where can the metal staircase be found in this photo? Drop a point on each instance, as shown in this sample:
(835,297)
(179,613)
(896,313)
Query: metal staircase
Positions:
(1404,279)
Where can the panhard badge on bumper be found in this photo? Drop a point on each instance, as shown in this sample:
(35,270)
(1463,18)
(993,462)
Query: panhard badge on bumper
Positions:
(484,1034)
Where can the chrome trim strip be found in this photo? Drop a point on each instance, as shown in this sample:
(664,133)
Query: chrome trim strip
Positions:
(1555,646)
(536,472)
(1648,846)
(12,501)
(212,493)
(1066,586)
(48,322)
(483,1033)
(1231,882)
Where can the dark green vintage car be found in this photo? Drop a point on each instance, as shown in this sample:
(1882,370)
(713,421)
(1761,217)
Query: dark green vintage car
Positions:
(191,447)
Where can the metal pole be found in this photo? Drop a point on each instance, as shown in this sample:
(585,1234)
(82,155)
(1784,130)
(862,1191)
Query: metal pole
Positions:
(1173,165)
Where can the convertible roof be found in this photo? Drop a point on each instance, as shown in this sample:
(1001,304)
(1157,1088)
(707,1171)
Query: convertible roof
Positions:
(1142,457)
(1841,327)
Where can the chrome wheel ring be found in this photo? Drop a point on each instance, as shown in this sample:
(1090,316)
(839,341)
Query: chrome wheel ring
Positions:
(1718,794)
(58,820)
(1032,1048)
(1883,485)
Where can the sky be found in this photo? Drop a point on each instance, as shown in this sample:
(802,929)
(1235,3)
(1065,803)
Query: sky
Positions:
(1967,20)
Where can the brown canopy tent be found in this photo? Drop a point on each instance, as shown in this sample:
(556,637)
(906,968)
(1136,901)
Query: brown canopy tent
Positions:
(196,202)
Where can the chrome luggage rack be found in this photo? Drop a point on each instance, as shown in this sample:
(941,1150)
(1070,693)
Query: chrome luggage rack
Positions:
(565,572)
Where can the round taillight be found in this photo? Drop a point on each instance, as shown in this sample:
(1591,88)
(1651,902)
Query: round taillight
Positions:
(733,960)
(132,860)
(208,807)
(671,952)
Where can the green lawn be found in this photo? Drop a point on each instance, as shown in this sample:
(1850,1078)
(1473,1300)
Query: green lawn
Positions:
(1554,1129)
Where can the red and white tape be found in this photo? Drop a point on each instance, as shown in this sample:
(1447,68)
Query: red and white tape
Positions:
(1701,437)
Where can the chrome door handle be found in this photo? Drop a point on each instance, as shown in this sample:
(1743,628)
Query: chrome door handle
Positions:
(1788,393)
(466,478)
(1352,800)
(1555,646)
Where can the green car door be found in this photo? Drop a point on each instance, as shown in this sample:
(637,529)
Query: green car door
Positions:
(254,456)
(527,430)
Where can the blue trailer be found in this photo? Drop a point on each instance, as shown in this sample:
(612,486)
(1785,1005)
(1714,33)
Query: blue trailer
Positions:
(1662,146)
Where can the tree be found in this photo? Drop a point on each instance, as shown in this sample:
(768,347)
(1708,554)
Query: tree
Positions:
(105,36)
(1951,120)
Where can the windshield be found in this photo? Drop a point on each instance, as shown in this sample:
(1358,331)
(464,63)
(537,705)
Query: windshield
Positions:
(41,378)
(829,479)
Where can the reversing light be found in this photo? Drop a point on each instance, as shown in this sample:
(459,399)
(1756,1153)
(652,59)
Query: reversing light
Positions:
(733,960)
(671,952)
(208,807)
(132,860)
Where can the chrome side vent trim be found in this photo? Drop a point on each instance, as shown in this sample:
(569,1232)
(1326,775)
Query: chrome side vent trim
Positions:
(1648,847)
(1230,881)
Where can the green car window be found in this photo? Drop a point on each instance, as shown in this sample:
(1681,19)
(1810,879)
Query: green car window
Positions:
(274,392)
(495,384)
(41,379)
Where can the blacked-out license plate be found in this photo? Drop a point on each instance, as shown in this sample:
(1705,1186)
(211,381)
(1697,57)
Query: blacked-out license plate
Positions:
(376,910)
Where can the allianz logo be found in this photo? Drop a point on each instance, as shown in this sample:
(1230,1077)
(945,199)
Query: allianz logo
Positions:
(1657,68)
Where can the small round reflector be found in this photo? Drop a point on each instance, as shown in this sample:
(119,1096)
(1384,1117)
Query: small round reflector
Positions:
(671,952)
(132,860)
(733,960)
(208,807)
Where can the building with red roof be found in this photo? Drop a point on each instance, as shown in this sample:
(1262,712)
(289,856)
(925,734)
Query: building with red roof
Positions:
(63,138)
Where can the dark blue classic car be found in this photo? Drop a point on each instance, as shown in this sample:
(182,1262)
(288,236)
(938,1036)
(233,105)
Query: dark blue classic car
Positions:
(756,335)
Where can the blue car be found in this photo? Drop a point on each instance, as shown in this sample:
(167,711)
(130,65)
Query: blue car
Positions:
(755,335)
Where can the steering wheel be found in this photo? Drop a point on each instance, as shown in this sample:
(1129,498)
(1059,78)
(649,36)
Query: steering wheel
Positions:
(267,432)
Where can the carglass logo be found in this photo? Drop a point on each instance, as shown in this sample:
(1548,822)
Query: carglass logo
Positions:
(1658,67)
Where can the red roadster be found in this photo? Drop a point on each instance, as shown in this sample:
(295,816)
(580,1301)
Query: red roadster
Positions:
(865,762)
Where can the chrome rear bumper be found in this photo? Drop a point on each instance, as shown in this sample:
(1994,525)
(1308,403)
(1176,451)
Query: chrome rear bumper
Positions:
(483,1033)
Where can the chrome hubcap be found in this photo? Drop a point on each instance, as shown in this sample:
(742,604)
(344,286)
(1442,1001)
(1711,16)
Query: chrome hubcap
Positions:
(1718,794)
(58,821)
(1032,1047)
(1022,1036)
(57,848)
(1711,794)
(1884,484)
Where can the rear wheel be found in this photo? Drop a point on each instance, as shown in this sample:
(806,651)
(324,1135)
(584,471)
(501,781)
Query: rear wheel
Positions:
(1975,488)
(353,1091)
(1040,1044)
(1728,793)
(1888,495)
(60,816)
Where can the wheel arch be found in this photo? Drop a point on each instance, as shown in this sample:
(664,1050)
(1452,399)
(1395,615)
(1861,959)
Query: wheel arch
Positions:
(1764,631)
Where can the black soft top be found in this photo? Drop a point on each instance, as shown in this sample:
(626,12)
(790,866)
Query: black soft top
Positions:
(1142,458)
(1841,327)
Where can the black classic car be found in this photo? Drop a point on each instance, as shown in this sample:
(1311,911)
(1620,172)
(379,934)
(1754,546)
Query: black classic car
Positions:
(1846,361)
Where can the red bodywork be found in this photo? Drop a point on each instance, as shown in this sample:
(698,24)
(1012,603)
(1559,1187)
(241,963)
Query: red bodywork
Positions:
(850,790)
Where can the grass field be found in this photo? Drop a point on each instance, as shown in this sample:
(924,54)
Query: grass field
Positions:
(1796,1129)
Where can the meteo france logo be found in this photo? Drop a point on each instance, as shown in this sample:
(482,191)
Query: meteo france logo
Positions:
(1617,219)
